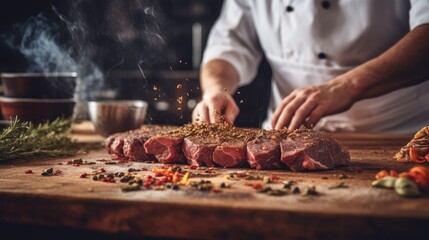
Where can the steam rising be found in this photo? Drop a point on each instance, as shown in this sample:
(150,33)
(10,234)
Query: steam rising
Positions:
(131,26)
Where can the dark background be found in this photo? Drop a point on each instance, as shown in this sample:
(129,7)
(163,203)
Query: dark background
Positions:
(164,65)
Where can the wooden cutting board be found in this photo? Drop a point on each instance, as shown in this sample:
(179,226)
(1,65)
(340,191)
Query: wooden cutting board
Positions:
(356,212)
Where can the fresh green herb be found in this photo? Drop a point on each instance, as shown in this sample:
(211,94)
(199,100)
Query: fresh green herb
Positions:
(25,140)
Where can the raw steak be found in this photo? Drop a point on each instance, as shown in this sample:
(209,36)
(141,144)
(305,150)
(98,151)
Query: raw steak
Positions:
(264,151)
(217,144)
(129,145)
(167,146)
(312,150)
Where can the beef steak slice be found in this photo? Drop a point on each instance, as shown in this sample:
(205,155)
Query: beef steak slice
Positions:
(312,150)
(129,145)
(263,152)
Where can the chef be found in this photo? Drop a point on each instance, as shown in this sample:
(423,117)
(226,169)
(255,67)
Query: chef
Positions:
(338,65)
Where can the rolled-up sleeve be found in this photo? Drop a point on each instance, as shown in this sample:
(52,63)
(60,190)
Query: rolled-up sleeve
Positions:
(233,39)
(419,13)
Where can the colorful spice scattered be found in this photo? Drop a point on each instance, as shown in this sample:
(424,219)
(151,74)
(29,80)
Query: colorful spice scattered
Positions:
(254,185)
(29,171)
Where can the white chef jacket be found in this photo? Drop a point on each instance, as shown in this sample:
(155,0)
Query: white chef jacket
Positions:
(308,42)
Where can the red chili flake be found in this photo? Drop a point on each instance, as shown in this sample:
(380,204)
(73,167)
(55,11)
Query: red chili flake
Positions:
(60,163)
(76,165)
(253,185)
(102,170)
(193,167)
(57,172)
(83,175)
(109,180)
(144,169)
(70,162)
(215,190)
(158,174)
(274,177)
(29,171)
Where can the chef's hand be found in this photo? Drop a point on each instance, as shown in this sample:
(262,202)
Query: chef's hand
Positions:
(213,106)
(306,106)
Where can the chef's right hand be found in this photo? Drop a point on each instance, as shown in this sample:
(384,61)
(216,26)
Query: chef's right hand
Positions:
(213,106)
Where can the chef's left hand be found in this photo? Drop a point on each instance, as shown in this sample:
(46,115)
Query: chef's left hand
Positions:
(306,106)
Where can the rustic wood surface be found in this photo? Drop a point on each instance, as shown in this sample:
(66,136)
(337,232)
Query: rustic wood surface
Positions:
(356,212)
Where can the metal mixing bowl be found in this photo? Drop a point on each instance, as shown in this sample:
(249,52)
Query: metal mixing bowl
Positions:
(117,115)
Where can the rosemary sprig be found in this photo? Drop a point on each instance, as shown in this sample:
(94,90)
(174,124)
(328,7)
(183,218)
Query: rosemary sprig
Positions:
(24,140)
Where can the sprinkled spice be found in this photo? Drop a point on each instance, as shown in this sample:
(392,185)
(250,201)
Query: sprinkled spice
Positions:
(130,188)
(288,184)
(254,185)
(29,171)
(77,161)
(48,172)
(296,190)
(311,191)
(83,175)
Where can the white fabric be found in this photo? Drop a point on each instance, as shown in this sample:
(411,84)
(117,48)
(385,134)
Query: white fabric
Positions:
(349,32)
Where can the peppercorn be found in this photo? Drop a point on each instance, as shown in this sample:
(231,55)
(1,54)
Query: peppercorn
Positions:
(95,178)
(296,190)
(176,187)
(101,176)
(77,161)
(110,175)
(48,172)
(223,185)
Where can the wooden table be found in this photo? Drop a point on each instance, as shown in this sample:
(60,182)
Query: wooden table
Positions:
(357,212)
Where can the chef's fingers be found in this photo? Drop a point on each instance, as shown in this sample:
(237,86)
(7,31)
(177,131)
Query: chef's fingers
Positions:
(280,108)
(314,117)
(215,110)
(201,113)
(288,112)
(302,113)
(231,111)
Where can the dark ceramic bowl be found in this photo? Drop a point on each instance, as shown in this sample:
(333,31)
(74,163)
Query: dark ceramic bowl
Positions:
(39,85)
(36,110)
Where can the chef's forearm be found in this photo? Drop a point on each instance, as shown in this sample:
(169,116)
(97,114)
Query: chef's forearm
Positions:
(404,64)
(218,75)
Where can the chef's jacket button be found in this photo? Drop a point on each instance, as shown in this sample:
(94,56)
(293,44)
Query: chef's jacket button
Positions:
(289,8)
(326,4)
(321,55)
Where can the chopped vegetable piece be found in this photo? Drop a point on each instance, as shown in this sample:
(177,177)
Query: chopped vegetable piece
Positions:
(406,188)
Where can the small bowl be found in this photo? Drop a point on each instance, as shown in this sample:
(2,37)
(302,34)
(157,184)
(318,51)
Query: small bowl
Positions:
(36,110)
(117,115)
(39,85)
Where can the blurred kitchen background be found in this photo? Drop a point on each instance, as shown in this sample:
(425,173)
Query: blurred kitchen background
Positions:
(148,50)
